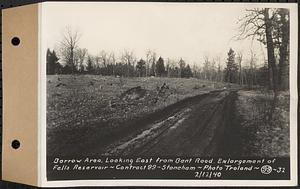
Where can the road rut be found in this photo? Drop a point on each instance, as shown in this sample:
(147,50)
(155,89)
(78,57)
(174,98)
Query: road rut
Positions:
(196,126)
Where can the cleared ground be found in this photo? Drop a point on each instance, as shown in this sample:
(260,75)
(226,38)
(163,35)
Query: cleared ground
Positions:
(85,108)
(96,115)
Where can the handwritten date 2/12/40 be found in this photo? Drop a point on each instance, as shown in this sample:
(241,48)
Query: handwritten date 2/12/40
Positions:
(207,174)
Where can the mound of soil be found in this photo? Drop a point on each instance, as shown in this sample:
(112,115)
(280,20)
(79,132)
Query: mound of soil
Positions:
(133,93)
(60,84)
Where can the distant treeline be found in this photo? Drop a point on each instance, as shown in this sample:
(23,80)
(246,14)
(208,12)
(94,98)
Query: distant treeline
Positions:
(128,67)
(105,64)
(269,26)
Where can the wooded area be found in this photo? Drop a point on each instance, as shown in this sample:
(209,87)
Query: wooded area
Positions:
(270,26)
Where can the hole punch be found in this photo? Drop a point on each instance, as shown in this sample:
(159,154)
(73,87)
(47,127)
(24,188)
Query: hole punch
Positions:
(15,41)
(15,144)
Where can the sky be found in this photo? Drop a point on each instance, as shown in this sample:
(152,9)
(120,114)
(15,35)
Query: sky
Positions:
(173,30)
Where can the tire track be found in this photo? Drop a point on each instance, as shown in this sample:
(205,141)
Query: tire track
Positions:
(143,138)
(188,130)
(183,141)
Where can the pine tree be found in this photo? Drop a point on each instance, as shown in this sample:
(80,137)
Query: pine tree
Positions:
(181,67)
(160,67)
(52,62)
(141,67)
(231,71)
(152,69)
(187,72)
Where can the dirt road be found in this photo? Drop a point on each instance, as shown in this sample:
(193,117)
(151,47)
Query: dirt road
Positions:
(198,126)
(202,125)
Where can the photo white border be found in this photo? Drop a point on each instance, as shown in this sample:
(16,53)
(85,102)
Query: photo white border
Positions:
(163,182)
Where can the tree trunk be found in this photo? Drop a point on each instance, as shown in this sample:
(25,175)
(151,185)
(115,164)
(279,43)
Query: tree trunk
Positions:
(240,74)
(270,50)
(283,77)
(72,60)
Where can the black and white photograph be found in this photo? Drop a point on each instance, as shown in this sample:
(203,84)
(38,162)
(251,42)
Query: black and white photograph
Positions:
(168,90)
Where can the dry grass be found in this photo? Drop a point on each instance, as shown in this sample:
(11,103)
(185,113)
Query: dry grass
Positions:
(264,137)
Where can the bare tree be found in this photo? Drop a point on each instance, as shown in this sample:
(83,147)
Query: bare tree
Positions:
(80,56)
(173,70)
(181,65)
(213,72)
(270,49)
(252,79)
(103,56)
(219,70)
(129,60)
(148,54)
(68,46)
(168,67)
(284,38)
(206,68)
(97,62)
(239,60)
(150,60)
(258,24)
(90,65)
(112,61)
